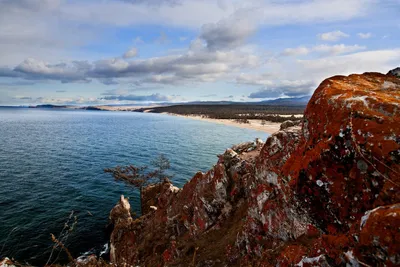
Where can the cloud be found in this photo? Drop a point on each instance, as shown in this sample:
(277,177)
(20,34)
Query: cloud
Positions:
(130,53)
(285,88)
(196,64)
(255,79)
(199,66)
(7,72)
(193,13)
(154,2)
(209,95)
(337,49)
(116,92)
(108,81)
(367,61)
(182,38)
(298,51)
(226,33)
(140,98)
(17,83)
(332,36)
(68,100)
(64,72)
(323,50)
(365,35)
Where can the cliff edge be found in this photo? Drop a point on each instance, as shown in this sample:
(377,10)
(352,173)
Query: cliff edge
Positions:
(324,193)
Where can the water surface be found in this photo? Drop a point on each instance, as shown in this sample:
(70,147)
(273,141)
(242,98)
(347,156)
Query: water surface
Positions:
(52,161)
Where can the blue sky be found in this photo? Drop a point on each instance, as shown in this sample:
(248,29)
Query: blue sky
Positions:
(147,51)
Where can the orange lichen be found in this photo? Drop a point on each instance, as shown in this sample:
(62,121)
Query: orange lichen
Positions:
(303,200)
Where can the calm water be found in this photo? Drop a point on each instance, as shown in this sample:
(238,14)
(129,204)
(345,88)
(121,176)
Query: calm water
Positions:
(52,161)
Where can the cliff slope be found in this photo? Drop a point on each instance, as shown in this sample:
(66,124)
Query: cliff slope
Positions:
(324,193)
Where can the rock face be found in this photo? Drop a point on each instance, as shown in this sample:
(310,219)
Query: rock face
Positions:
(395,72)
(324,193)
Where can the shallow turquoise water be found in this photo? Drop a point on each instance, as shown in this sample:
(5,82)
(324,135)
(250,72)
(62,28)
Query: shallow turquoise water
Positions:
(52,161)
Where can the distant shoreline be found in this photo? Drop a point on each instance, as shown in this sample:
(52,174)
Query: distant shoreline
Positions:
(254,124)
(269,127)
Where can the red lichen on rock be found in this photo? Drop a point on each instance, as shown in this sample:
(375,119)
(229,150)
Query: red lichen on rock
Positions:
(321,194)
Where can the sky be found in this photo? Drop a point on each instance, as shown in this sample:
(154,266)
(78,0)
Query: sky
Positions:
(100,52)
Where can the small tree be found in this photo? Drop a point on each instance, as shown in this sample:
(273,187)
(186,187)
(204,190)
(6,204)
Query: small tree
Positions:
(139,176)
(161,164)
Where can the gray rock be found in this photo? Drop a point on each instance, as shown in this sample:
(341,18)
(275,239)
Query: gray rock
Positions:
(395,72)
(289,123)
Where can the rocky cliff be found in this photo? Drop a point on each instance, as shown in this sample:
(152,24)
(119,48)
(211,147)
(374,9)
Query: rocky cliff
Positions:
(324,193)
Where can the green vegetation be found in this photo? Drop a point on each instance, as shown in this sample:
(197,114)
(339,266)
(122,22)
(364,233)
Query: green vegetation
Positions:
(239,112)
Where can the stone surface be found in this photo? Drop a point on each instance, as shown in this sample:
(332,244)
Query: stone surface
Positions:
(395,72)
(289,123)
(6,262)
(323,193)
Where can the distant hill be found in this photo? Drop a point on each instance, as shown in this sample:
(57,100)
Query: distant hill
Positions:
(48,106)
(295,101)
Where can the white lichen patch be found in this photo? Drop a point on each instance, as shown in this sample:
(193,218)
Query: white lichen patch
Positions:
(351,259)
(365,218)
(272,178)
(362,99)
(388,85)
(307,260)
(261,198)
(335,97)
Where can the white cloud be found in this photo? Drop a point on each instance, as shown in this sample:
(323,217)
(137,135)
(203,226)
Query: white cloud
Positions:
(264,79)
(364,35)
(226,33)
(285,88)
(131,53)
(337,49)
(200,65)
(323,50)
(74,71)
(298,51)
(139,98)
(194,13)
(332,36)
(377,60)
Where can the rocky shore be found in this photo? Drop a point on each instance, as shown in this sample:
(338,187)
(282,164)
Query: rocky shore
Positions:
(325,192)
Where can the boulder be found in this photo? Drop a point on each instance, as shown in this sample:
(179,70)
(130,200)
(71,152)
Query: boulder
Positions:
(395,72)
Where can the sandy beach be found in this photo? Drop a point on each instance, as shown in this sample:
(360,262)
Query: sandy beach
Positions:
(269,127)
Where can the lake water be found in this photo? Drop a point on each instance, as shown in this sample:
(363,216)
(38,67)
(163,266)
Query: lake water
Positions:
(52,161)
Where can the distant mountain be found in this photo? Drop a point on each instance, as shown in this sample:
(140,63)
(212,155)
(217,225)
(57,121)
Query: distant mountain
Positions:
(294,101)
(48,106)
